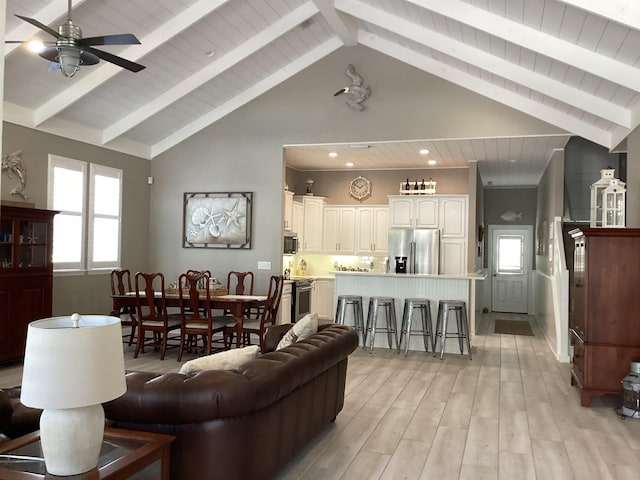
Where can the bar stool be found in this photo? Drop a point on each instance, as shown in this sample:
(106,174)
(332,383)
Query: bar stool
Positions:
(424,306)
(459,308)
(355,301)
(388,304)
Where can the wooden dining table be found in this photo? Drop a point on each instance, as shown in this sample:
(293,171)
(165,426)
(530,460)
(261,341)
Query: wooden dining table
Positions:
(236,304)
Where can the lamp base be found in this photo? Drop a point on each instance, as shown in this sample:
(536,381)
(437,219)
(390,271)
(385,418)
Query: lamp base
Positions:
(71,439)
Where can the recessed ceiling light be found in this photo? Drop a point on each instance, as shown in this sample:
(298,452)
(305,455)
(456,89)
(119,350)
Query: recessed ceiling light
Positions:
(349,164)
(513,161)
(333,154)
(209,53)
(424,151)
(432,162)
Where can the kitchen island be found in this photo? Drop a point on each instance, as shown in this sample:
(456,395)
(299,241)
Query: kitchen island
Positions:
(401,286)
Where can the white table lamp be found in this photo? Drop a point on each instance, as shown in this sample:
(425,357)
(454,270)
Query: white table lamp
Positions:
(69,371)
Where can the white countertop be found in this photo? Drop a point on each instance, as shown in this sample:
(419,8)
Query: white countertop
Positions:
(312,277)
(460,276)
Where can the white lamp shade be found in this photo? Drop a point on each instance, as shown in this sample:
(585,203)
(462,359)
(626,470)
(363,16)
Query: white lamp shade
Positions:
(66,367)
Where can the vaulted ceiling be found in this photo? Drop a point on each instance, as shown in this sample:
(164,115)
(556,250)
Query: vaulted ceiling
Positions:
(571,63)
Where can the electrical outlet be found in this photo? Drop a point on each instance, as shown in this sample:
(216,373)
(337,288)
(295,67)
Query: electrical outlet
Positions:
(264,265)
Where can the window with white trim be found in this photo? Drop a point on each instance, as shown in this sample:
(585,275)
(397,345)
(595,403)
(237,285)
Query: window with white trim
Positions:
(86,232)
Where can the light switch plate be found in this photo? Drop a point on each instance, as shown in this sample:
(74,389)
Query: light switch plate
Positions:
(264,265)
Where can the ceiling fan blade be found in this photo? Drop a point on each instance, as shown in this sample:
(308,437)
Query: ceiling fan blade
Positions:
(41,26)
(118,39)
(14,41)
(121,62)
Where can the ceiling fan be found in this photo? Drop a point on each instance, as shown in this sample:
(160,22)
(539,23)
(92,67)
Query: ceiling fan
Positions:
(70,50)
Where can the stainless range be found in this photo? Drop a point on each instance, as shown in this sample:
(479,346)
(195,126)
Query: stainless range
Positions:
(301,290)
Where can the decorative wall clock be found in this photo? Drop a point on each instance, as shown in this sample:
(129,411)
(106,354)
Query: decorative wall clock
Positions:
(360,188)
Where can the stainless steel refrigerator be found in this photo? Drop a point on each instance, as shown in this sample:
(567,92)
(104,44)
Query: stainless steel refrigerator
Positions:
(418,249)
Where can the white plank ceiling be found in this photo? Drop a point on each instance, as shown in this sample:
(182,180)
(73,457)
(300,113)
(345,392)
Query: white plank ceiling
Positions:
(572,63)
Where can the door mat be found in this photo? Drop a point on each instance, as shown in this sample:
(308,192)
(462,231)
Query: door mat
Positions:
(513,327)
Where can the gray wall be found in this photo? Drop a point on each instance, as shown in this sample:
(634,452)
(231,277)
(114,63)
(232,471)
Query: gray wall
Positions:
(518,200)
(80,292)
(549,205)
(244,150)
(583,161)
(633,179)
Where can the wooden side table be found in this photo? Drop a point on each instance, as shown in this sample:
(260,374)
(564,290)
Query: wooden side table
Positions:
(125,454)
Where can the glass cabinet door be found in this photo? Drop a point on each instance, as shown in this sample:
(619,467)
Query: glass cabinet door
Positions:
(6,243)
(33,244)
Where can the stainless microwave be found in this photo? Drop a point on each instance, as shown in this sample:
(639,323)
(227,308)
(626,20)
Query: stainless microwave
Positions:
(290,244)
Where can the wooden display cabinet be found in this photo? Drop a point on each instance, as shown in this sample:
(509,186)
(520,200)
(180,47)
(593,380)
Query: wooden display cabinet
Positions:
(604,308)
(26,274)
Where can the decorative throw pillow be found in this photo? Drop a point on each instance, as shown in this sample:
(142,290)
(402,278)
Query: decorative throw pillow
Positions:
(228,360)
(302,329)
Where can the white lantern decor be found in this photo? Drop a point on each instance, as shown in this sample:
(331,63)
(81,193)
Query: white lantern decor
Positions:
(608,199)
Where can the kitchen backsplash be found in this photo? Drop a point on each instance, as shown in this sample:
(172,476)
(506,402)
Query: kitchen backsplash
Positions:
(318,264)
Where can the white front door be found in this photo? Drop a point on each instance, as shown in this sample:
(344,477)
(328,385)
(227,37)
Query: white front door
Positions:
(510,266)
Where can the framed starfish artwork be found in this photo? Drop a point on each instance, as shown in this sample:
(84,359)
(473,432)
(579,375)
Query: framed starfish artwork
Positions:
(217,220)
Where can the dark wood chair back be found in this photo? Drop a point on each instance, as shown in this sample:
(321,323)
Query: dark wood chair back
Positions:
(120,281)
(272,304)
(149,306)
(194,293)
(240,283)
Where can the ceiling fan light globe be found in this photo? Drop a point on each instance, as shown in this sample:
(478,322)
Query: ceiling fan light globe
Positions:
(69,61)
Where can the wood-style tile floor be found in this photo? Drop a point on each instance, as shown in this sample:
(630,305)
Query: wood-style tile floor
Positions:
(510,413)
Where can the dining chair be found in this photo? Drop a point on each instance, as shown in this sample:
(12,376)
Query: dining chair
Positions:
(268,314)
(151,307)
(120,279)
(195,313)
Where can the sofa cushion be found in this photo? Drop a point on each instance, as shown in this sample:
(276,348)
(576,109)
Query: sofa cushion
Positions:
(304,328)
(229,360)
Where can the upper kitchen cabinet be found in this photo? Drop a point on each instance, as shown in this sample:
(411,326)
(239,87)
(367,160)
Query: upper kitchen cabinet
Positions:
(372,225)
(413,211)
(312,225)
(298,220)
(453,216)
(339,229)
(288,211)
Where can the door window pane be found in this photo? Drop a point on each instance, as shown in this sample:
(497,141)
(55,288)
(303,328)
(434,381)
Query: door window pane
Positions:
(510,254)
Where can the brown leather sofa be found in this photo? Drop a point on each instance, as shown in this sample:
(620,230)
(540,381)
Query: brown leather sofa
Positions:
(243,424)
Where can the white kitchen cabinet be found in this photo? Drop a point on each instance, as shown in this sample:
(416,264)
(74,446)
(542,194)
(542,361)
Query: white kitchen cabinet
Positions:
(288,211)
(322,298)
(453,216)
(453,256)
(312,224)
(298,218)
(413,211)
(339,229)
(372,225)
(284,314)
